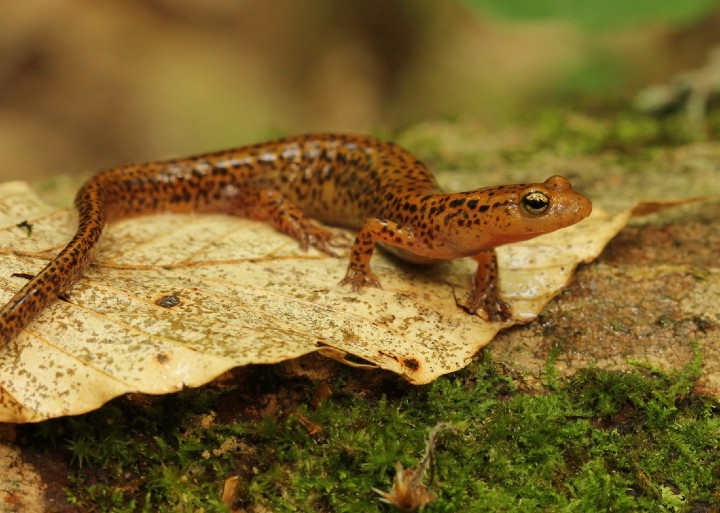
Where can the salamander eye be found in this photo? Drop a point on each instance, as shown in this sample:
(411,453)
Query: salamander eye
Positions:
(535,203)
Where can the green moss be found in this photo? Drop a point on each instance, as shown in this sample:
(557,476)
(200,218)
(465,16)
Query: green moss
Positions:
(608,130)
(621,132)
(603,441)
(602,16)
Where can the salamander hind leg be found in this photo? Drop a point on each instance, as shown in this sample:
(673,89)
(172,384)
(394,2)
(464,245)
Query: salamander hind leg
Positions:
(485,297)
(271,205)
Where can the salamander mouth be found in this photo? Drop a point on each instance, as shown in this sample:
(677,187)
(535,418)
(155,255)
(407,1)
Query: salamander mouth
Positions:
(501,239)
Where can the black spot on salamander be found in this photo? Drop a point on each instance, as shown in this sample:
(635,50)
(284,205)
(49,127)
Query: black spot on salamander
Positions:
(450,216)
(472,204)
(457,203)
(484,208)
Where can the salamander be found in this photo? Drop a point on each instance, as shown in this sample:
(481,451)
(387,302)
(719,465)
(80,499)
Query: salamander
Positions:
(353,181)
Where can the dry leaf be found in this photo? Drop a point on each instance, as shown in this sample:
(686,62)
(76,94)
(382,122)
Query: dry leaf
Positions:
(322,394)
(230,491)
(313,428)
(178,299)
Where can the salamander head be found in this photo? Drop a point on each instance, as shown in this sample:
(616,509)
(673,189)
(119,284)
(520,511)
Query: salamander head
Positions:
(512,213)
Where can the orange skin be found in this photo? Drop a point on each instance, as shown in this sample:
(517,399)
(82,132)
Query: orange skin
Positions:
(353,181)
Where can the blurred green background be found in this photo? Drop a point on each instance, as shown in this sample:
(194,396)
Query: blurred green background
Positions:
(87,85)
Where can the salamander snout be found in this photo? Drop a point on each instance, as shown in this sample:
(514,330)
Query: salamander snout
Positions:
(570,205)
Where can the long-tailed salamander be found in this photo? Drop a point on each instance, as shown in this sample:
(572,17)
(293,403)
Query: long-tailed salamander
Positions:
(353,181)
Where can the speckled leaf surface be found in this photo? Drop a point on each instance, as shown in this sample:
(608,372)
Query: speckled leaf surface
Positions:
(175,300)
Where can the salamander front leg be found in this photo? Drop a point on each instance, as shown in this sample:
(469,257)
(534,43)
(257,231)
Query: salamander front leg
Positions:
(373,231)
(270,205)
(485,296)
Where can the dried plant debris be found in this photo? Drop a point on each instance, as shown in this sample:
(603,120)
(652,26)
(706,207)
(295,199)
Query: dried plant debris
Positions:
(409,492)
(690,91)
